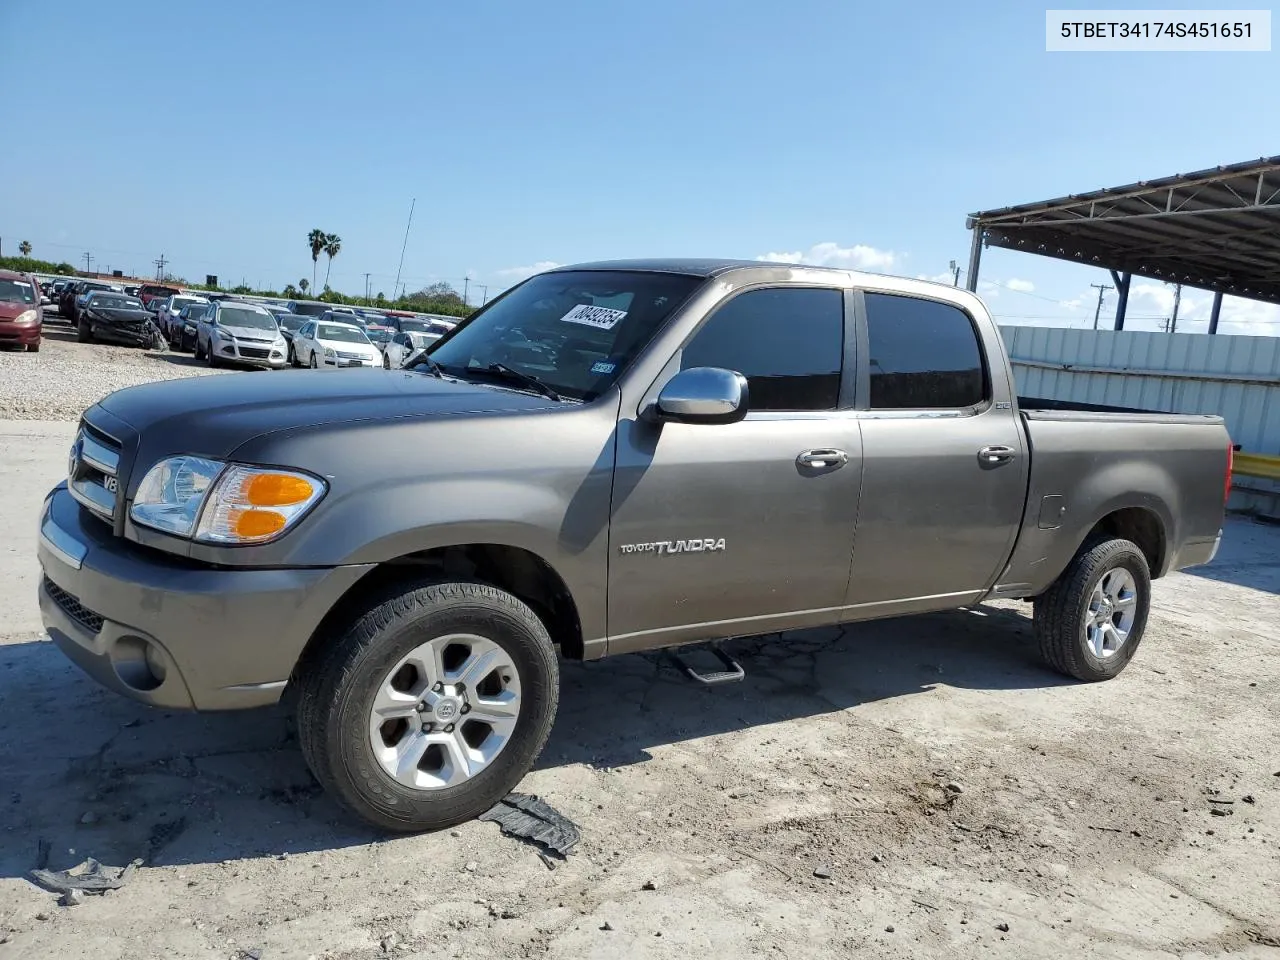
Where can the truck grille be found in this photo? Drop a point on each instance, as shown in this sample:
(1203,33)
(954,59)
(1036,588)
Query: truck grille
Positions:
(93,471)
(73,608)
(257,353)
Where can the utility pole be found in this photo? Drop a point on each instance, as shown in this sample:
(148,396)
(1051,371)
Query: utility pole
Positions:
(87,258)
(160,267)
(484,293)
(466,285)
(1177,299)
(955,273)
(366,289)
(1102,289)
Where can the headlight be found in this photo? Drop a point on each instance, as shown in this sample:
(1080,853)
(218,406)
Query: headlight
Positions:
(171,494)
(223,503)
(27,316)
(254,504)
(222,334)
(328,352)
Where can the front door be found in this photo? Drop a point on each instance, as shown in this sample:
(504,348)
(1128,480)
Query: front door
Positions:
(722,530)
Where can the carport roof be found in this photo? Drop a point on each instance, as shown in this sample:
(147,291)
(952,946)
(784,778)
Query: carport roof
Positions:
(1217,229)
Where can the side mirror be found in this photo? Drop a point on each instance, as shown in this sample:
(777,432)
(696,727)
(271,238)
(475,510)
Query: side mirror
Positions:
(703,395)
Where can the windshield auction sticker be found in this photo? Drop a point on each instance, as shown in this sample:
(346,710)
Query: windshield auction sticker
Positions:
(602,318)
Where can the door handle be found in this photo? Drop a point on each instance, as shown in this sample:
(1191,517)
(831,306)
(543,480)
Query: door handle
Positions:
(996,453)
(823,459)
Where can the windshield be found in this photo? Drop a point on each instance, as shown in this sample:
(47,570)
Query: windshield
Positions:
(180,302)
(576,331)
(341,332)
(109,302)
(246,317)
(16,291)
(290,321)
(418,326)
(380,334)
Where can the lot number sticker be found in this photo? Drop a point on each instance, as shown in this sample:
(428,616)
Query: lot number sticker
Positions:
(602,318)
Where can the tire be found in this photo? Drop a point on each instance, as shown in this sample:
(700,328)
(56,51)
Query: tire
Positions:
(210,358)
(84,333)
(313,364)
(336,688)
(1065,614)
(33,347)
(290,359)
(386,362)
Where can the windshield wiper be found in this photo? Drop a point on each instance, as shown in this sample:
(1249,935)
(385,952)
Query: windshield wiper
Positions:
(424,359)
(524,378)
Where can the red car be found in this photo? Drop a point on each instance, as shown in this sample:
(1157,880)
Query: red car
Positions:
(150,291)
(21,316)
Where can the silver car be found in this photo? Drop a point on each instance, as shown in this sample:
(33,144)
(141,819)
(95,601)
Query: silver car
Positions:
(232,332)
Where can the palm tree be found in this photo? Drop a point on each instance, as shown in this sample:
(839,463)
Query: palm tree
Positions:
(332,244)
(317,238)
(24,248)
(303,285)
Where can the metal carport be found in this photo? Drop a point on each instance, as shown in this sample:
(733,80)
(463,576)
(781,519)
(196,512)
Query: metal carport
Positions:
(1217,229)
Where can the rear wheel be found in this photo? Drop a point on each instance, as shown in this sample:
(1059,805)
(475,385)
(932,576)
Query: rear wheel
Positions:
(1090,622)
(386,362)
(210,357)
(431,706)
(84,333)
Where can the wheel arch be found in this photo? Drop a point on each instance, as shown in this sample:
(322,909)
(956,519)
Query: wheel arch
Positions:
(1141,525)
(520,572)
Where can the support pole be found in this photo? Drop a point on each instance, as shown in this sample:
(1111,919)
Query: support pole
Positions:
(1122,288)
(975,258)
(1213,313)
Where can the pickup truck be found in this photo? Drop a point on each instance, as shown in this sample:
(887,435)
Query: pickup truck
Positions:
(608,458)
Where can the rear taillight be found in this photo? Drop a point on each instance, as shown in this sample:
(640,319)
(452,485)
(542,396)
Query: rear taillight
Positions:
(1231,457)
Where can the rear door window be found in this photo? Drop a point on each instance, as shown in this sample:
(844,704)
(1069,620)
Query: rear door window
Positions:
(923,354)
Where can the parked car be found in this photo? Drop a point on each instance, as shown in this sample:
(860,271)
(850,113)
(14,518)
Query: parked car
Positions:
(232,331)
(149,291)
(115,316)
(343,315)
(21,313)
(289,323)
(310,308)
(132,289)
(380,337)
(698,450)
(320,343)
(170,308)
(404,345)
(186,325)
(73,295)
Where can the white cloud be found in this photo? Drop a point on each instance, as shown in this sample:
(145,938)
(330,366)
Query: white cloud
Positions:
(828,254)
(515,274)
(1021,286)
(1073,304)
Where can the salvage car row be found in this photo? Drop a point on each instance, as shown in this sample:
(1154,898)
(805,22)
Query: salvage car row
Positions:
(220,329)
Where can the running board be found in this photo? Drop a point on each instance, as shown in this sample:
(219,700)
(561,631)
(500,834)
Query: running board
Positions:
(733,674)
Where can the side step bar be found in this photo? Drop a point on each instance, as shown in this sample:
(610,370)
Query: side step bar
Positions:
(732,674)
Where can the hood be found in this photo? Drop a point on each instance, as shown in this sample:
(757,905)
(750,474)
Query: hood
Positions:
(9,310)
(250,333)
(213,415)
(115,315)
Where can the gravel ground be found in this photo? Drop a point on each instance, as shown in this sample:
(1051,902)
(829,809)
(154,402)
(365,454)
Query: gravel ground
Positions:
(65,377)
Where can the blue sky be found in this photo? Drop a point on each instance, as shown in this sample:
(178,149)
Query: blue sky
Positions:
(838,132)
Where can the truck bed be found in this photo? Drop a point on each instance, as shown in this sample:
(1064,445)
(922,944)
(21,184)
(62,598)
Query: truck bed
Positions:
(1046,409)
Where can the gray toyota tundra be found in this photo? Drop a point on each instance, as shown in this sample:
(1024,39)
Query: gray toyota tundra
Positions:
(608,458)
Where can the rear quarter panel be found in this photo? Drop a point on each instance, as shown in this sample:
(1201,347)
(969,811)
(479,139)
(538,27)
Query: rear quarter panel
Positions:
(1097,463)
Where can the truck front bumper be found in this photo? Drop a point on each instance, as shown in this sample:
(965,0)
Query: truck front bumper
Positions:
(168,631)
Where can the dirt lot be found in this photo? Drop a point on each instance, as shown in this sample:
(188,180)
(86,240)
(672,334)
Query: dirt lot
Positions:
(906,788)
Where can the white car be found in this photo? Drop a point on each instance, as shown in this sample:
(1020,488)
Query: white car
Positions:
(323,343)
(167,317)
(404,345)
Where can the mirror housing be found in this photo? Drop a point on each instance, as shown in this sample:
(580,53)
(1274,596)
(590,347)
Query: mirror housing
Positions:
(703,395)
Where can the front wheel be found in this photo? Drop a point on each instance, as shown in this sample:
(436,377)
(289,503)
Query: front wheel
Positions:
(1090,621)
(386,362)
(84,333)
(314,365)
(430,707)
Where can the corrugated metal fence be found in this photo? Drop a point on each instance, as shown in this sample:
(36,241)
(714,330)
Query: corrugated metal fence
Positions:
(1237,378)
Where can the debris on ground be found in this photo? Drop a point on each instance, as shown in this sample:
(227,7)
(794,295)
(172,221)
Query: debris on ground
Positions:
(1002,927)
(90,877)
(822,872)
(649,885)
(72,898)
(529,818)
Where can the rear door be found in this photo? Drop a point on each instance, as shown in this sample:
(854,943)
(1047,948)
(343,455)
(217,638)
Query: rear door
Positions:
(944,460)
(720,529)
